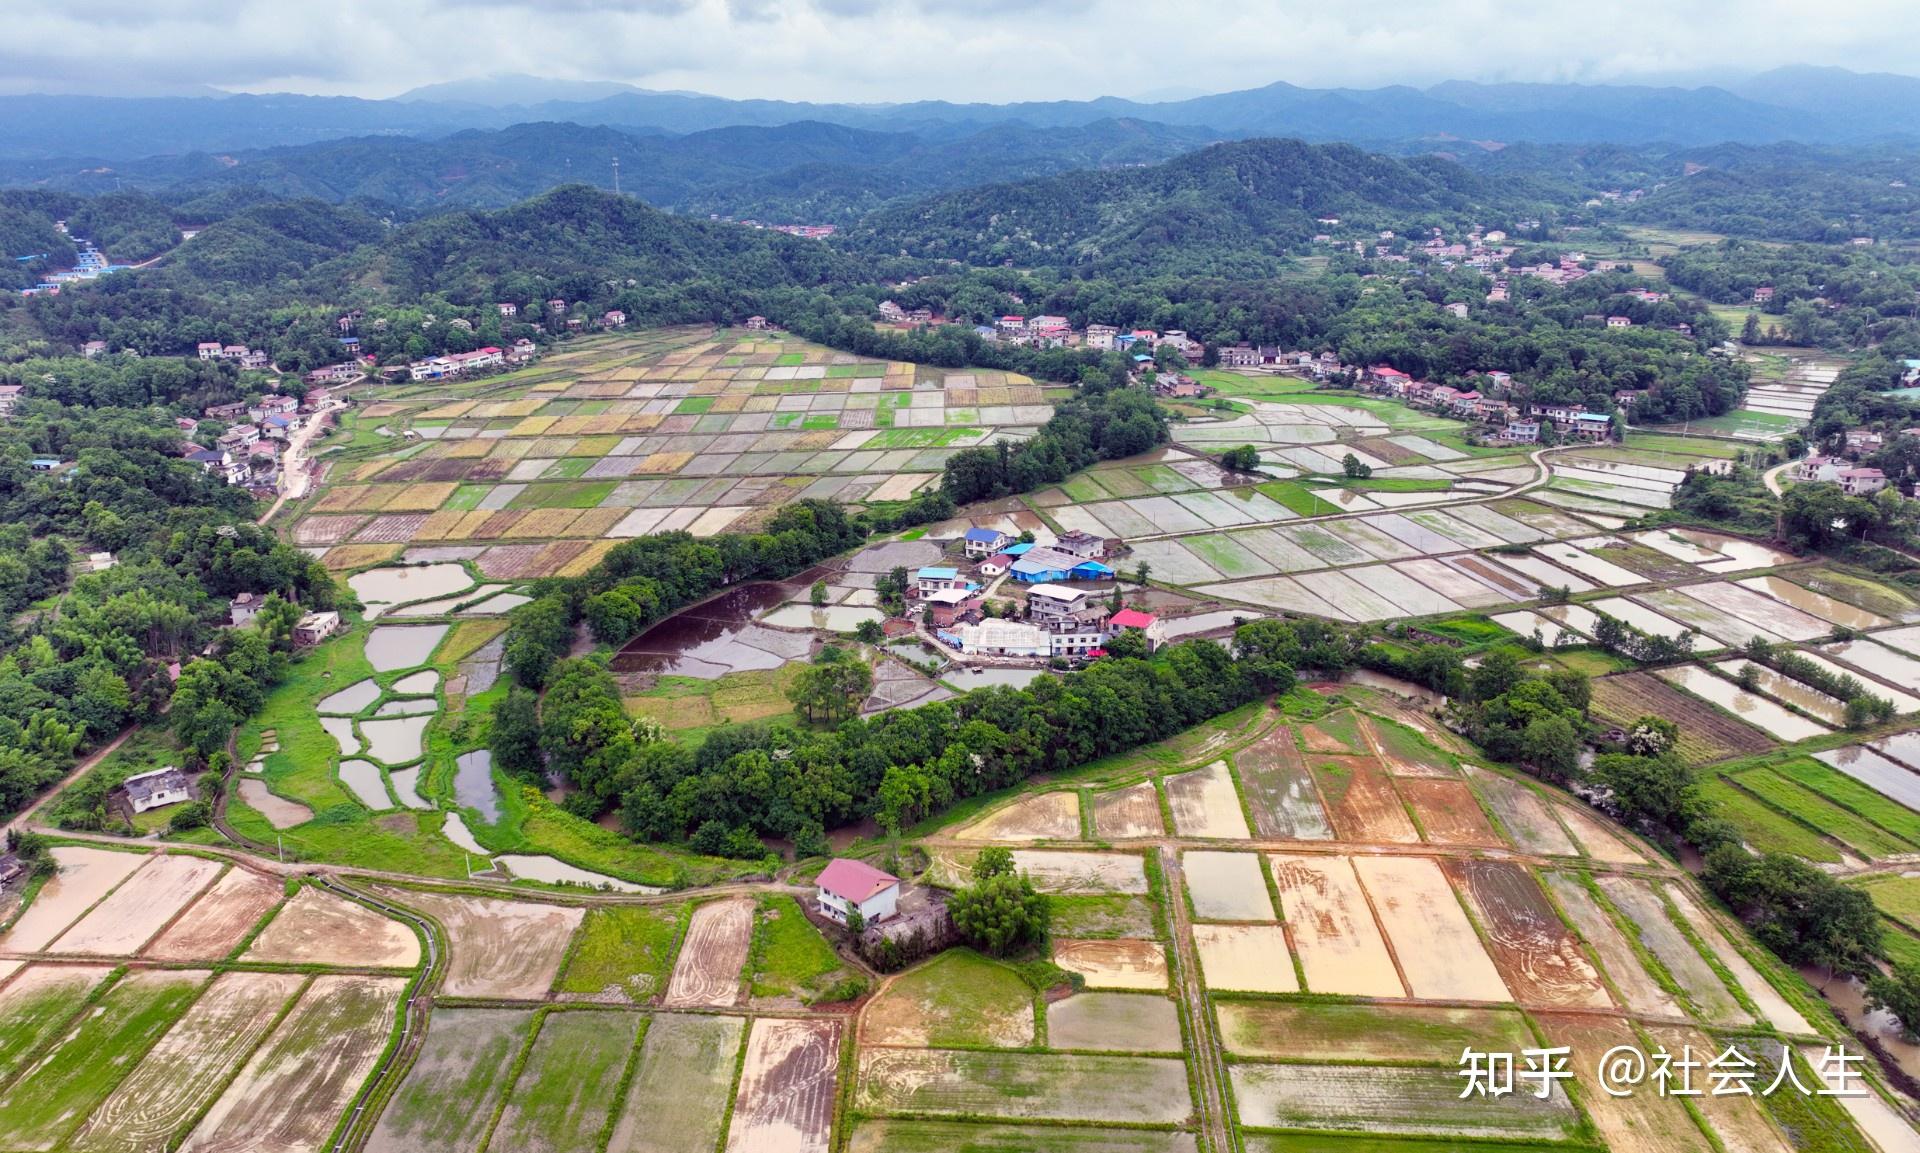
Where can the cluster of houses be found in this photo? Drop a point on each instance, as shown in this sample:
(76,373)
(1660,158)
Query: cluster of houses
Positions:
(1516,422)
(91,264)
(250,358)
(1854,480)
(249,452)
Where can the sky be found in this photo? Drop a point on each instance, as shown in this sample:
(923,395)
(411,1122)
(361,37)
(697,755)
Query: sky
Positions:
(991,51)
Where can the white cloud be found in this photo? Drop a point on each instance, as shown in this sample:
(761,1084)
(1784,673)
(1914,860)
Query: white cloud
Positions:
(900,50)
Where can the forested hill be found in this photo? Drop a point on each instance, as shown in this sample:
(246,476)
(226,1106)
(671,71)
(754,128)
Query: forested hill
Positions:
(1235,208)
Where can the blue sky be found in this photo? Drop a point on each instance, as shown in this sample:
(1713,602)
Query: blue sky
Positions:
(980,50)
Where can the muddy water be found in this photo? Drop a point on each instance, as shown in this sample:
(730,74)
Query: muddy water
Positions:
(351,699)
(700,641)
(980,678)
(1791,691)
(392,647)
(473,784)
(557,872)
(389,586)
(834,618)
(1847,997)
(398,740)
(1810,602)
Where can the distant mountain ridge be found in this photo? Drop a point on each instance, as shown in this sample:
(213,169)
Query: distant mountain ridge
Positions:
(1813,105)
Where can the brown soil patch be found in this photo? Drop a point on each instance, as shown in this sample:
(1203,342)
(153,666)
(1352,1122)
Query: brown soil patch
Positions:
(1130,812)
(85,876)
(1537,954)
(218,921)
(1341,948)
(1245,958)
(1119,964)
(1643,1121)
(317,927)
(1048,816)
(1360,798)
(1439,951)
(140,907)
(787,1082)
(1205,804)
(1449,813)
(1600,842)
(509,949)
(707,972)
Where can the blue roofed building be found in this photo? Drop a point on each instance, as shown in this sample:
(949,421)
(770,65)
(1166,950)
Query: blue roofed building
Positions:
(984,542)
(933,578)
(1049,565)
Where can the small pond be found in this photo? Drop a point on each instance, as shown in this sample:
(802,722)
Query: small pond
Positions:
(417,684)
(979,678)
(392,586)
(392,647)
(421,706)
(397,740)
(455,830)
(341,730)
(351,699)
(363,781)
(557,872)
(406,786)
(473,784)
(836,618)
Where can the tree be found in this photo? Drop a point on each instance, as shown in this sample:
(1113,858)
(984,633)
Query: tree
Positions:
(1245,458)
(192,815)
(1141,572)
(1000,914)
(276,620)
(869,632)
(1660,790)
(1551,746)
(992,862)
(1651,736)
(1801,913)
(515,735)
(818,593)
(1898,992)
(1355,470)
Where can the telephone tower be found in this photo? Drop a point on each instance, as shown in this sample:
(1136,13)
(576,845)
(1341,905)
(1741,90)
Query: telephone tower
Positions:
(616,176)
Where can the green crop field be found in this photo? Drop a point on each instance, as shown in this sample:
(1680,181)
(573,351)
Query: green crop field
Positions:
(27,1018)
(1858,834)
(561,1100)
(788,957)
(629,949)
(1850,794)
(959,998)
(1083,916)
(1763,829)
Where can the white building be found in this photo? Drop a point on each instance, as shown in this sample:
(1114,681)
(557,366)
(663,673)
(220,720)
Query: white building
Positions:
(847,885)
(148,791)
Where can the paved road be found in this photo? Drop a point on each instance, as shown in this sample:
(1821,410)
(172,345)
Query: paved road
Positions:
(1771,478)
(295,479)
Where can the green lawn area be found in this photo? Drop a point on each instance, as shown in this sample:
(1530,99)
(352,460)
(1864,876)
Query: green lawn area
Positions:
(1100,915)
(790,958)
(919,437)
(1395,484)
(564,494)
(626,948)
(689,707)
(693,406)
(1766,425)
(1084,489)
(958,998)
(821,421)
(1897,897)
(150,747)
(467,497)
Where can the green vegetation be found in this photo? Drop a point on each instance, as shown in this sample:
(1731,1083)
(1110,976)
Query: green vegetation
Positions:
(1091,916)
(789,957)
(628,948)
(1296,497)
(959,998)
(1864,838)
(1853,796)
(1761,827)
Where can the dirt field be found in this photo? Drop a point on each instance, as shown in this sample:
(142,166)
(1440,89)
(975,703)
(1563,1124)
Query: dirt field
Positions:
(1128,812)
(1644,1121)
(1772,1005)
(1630,978)
(1070,871)
(140,907)
(279,812)
(559,1102)
(1600,842)
(1403,752)
(1205,804)
(1737,1121)
(1449,813)
(450,1094)
(1280,791)
(958,998)
(707,972)
(1438,948)
(318,928)
(1340,947)
(1538,956)
(1046,817)
(505,949)
(219,920)
(1387,1099)
(1360,797)
(1051,1086)
(1227,886)
(688,1060)
(1117,1022)
(786,1096)
(1245,958)
(181,1074)
(1118,964)
(85,876)
(298,1083)
(964,1137)
(1706,734)
(1527,818)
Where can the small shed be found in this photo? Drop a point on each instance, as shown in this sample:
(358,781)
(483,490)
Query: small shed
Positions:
(846,884)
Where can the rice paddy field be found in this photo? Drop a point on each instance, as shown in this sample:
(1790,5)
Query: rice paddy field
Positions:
(534,473)
(1343,906)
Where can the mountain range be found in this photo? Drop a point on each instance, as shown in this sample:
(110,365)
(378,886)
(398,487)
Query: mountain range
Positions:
(1813,105)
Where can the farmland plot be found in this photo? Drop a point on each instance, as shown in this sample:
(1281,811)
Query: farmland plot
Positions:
(1876,660)
(560,1102)
(53,1096)
(1773,1007)
(1361,798)
(504,949)
(1441,954)
(450,1094)
(1116,964)
(707,972)
(1784,688)
(318,928)
(1449,813)
(1391,1099)
(1597,838)
(1118,1022)
(1226,886)
(1341,949)
(958,998)
(1642,905)
(1755,710)
(1280,790)
(1883,776)
(1642,1121)
(1527,818)
(1072,871)
(1130,812)
(1047,816)
(1245,958)
(1537,955)
(181,1073)
(963,1137)
(37,1002)
(1736,1121)
(1776,617)
(297,1085)
(219,920)
(688,1061)
(1706,734)
(1304,1031)
(1205,804)
(786,1097)
(1049,1086)
(1635,985)
(140,907)
(85,876)
(1820,605)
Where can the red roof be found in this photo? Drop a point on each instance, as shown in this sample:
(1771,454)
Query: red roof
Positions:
(1132,619)
(1001,559)
(854,881)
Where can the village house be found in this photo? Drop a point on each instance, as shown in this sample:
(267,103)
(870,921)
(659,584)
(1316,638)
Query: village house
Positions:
(1815,469)
(1084,545)
(1862,481)
(1593,426)
(848,886)
(227,412)
(9,397)
(1100,337)
(316,627)
(949,605)
(1240,356)
(932,578)
(208,350)
(613,318)
(1458,309)
(1619,322)
(1011,325)
(239,436)
(242,609)
(1000,638)
(257,360)
(1520,432)
(152,790)
(984,542)
(1049,565)
(1058,606)
(891,312)
(1864,442)
(523,349)
(1134,620)
(920,317)
(758,324)
(1763,294)
(508,309)
(93,348)
(996,564)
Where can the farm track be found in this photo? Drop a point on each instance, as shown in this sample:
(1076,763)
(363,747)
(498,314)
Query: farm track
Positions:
(1204,1052)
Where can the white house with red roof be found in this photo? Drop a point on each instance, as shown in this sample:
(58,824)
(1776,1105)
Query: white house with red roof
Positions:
(1145,623)
(846,885)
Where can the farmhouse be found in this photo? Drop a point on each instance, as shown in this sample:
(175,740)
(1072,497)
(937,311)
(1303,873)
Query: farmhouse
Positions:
(847,885)
(949,605)
(316,627)
(1048,565)
(1058,606)
(932,578)
(149,791)
(242,609)
(1862,481)
(996,564)
(984,542)
(1146,624)
(999,638)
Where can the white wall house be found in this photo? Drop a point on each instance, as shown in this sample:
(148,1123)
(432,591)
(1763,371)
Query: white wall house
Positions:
(148,791)
(847,884)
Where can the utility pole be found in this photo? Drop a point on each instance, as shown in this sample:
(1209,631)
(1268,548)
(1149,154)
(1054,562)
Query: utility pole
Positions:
(616,176)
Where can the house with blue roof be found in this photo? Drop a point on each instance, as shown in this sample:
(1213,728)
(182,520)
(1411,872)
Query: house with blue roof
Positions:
(984,542)
(1051,566)
(933,578)
(1020,549)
